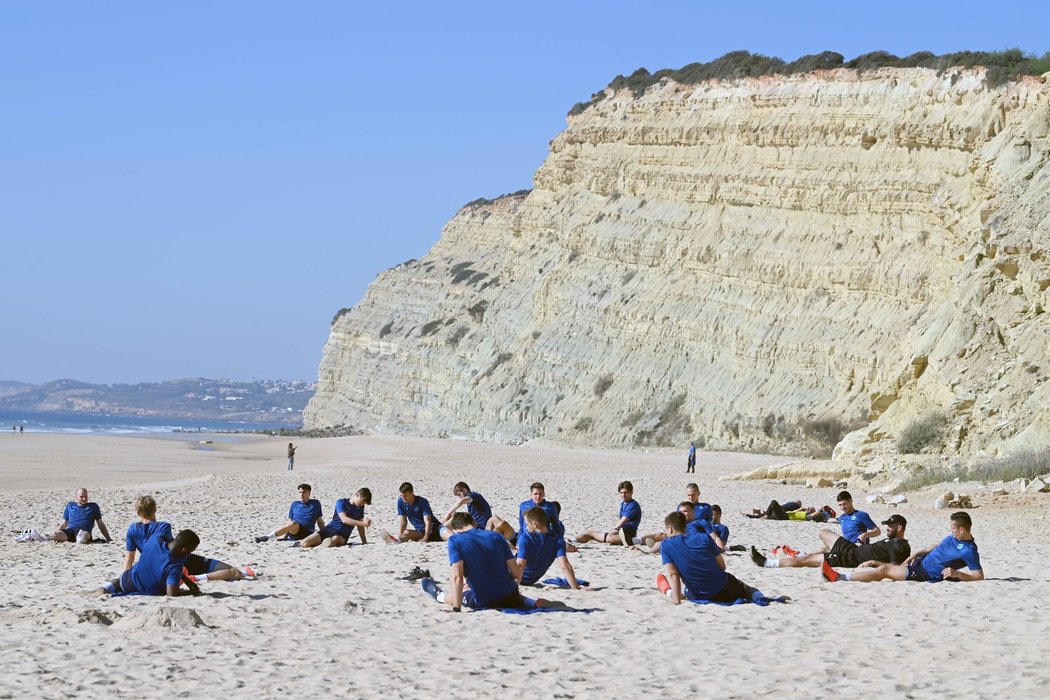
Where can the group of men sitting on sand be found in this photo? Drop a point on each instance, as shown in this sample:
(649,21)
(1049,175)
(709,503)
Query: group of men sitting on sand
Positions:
(489,559)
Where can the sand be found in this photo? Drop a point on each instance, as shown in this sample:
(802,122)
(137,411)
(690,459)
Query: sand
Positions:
(338,620)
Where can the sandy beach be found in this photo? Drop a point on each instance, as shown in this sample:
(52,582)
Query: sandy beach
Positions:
(338,620)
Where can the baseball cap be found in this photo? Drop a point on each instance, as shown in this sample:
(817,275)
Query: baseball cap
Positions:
(895,520)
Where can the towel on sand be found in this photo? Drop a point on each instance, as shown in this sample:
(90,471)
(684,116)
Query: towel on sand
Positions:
(562,582)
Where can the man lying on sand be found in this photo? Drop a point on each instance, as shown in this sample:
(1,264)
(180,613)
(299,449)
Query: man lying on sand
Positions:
(838,551)
(303,516)
(78,521)
(538,499)
(479,509)
(791,510)
(197,569)
(538,549)
(159,571)
(415,510)
(937,563)
(349,513)
(483,560)
(695,568)
(626,527)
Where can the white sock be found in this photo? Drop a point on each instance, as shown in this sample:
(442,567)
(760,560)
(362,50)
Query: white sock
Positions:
(198,578)
(801,553)
(772,563)
(845,576)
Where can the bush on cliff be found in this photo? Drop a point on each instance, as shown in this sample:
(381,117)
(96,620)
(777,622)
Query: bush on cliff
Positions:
(922,433)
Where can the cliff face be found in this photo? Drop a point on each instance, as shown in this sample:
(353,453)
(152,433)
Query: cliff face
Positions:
(754,263)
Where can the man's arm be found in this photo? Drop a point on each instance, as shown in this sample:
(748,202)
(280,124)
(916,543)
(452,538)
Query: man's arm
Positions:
(675,579)
(619,524)
(347,520)
(174,590)
(459,504)
(721,561)
(718,543)
(949,572)
(402,526)
(515,569)
(320,522)
(521,568)
(428,523)
(457,580)
(361,534)
(570,573)
(916,554)
(103,529)
(129,560)
(870,535)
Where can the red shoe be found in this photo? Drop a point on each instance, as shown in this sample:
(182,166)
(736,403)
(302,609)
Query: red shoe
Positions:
(663,585)
(829,574)
(785,550)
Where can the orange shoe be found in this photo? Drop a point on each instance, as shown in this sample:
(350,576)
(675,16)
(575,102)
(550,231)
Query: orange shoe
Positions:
(663,585)
(829,574)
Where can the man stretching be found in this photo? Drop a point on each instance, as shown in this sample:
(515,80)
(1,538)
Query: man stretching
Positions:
(415,510)
(838,551)
(349,513)
(303,516)
(538,549)
(479,509)
(159,572)
(937,563)
(626,527)
(538,499)
(695,568)
(482,559)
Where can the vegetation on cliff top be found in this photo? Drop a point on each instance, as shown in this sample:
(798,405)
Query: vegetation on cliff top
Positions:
(1003,66)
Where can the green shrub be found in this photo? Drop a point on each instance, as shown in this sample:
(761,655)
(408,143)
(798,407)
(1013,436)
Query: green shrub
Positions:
(584,424)
(921,433)
(602,385)
(1023,465)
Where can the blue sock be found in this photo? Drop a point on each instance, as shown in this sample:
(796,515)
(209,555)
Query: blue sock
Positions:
(109,587)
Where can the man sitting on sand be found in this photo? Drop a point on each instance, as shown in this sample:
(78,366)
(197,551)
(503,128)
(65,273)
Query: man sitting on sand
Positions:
(415,510)
(699,511)
(538,499)
(159,571)
(626,527)
(838,551)
(303,516)
(857,526)
(695,568)
(479,509)
(482,559)
(652,545)
(349,513)
(78,521)
(937,563)
(538,549)
(197,569)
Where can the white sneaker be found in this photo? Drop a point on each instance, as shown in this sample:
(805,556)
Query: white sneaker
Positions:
(36,536)
(24,536)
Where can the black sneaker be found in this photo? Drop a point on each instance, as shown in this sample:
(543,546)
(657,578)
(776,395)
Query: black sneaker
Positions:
(416,573)
(757,558)
(262,538)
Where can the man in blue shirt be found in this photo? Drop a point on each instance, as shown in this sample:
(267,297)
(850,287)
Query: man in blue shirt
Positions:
(538,499)
(303,516)
(159,571)
(78,521)
(695,568)
(481,559)
(936,563)
(415,510)
(479,509)
(625,529)
(349,513)
(857,526)
(538,549)
(690,461)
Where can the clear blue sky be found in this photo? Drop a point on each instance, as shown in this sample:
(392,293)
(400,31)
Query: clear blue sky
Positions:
(195,188)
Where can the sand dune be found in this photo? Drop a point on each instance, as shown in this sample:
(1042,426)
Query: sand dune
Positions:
(337,620)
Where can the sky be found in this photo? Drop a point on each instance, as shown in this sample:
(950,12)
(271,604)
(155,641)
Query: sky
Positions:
(194,189)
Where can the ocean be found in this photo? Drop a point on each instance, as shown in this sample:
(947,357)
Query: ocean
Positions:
(85,423)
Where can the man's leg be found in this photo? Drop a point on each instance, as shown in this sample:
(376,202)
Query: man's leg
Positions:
(883,572)
(501,526)
(733,590)
(590,535)
(336,541)
(810,560)
(828,538)
(412,536)
(201,569)
(311,540)
(774,511)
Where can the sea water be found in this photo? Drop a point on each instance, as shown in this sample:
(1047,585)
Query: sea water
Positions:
(87,423)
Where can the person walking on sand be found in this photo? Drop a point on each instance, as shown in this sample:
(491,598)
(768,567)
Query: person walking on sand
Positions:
(291,456)
(690,463)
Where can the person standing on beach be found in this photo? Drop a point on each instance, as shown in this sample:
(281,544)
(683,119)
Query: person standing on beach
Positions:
(479,509)
(291,456)
(349,513)
(415,510)
(78,521)
(303,516)
(690,462)
(941,562)
(481,559)
(626,527)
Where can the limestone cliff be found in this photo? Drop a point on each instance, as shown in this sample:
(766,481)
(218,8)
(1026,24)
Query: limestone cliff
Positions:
(755,263)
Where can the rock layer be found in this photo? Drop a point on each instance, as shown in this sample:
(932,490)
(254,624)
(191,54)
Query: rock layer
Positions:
(756,263)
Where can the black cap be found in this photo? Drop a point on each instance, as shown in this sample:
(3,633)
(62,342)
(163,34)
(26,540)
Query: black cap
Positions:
(895,520)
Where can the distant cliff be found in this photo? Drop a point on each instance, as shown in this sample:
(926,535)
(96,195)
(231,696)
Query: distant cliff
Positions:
(762,263)
(267,401)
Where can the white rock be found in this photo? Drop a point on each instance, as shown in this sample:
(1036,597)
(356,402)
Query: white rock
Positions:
(897,500)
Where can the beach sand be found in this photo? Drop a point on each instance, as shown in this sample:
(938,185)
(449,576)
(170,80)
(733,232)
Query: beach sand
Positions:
(338,620)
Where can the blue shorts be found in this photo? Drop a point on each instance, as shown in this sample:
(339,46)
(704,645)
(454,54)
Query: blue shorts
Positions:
(332,531)
(917,573)
(198,566)
(513,600)
(126,585)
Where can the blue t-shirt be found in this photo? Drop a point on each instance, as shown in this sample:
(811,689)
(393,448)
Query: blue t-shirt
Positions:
(722,531)
(348,508)
(81,517)
(415,512)
(855,524)
(306,514)
(479,509)
(539,550)
(156,569)
(554,525)
(702,511)
(695,557)
(957,554)
(632,511)
(139,532)
(692,450)
(484,554)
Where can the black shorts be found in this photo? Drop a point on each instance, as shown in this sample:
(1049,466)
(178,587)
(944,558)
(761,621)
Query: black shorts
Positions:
(71,534)
(197,565)
(843,553)
(631,531)
(435,533)
(513,600)
(301,534)
(733,590)
(916,572)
